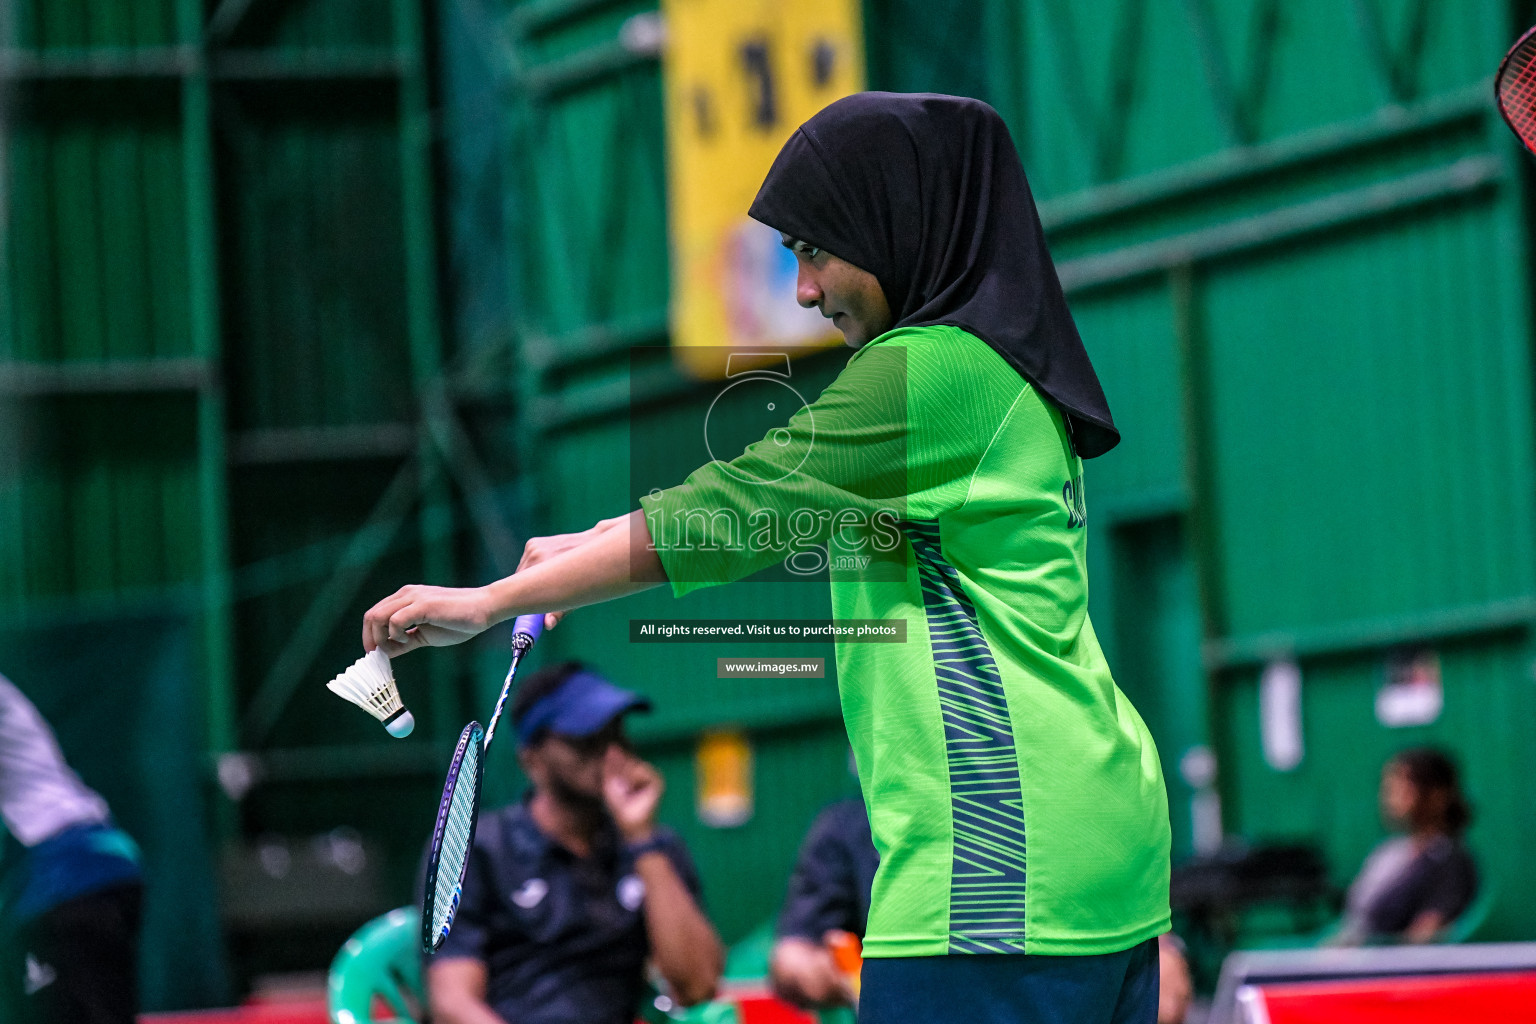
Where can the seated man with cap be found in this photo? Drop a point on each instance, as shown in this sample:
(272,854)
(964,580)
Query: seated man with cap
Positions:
(570,891)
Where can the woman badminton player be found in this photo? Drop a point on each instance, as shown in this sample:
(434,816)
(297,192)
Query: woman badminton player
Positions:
(1014,794)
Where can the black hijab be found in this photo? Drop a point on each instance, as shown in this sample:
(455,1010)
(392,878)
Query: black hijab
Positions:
(927,193)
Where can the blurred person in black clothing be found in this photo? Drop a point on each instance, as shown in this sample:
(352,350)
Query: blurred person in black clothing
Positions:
(828,894)
(70,893)
(1175,990)
(571,890)
(1412,886)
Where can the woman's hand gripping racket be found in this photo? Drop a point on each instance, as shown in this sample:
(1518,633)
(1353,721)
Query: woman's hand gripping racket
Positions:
(1515,88)
(459,809)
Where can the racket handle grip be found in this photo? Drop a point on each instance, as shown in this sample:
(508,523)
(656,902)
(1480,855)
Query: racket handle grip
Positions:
(529,626)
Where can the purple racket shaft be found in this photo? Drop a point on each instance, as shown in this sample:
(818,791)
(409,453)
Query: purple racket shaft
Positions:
(458,812)
(524,632)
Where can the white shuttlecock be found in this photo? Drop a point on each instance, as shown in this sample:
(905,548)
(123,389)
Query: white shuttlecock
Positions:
(371,686)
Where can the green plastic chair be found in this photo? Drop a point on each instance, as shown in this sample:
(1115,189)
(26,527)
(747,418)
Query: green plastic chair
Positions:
(1466,926)
(381,960)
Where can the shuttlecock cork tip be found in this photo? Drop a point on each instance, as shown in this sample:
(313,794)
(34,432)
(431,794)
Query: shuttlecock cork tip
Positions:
(400,725)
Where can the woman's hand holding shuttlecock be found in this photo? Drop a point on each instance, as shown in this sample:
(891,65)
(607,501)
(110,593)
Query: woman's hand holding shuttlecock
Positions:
(563,571)
(423,616)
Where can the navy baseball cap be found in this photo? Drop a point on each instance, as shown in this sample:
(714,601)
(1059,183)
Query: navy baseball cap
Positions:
(582,705)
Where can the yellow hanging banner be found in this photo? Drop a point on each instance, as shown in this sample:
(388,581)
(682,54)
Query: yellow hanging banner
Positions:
(741,75)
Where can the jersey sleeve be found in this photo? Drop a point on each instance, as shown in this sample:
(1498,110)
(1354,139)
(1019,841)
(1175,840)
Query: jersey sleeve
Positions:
(896,436)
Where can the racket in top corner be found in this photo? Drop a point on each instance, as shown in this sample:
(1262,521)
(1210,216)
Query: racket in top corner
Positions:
(459,810)
(1515,88)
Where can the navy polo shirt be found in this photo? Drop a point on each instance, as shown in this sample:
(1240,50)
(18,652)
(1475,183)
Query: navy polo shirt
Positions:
(833,875)
(562,937)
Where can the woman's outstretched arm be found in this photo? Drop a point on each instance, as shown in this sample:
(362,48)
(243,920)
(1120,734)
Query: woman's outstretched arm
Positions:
(613,559)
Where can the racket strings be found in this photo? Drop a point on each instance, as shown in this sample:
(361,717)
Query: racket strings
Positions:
(457,826)
(1520,86)
(1517,90)
(461,797)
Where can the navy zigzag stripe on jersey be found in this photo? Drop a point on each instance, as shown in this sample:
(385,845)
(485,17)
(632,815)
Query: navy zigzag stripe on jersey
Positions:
(986,902)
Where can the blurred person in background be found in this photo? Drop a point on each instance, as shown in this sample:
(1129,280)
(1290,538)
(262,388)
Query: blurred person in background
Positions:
(828,901)
(828,898)
(1412,886)
(1175,990)
(571,890)
(70,892)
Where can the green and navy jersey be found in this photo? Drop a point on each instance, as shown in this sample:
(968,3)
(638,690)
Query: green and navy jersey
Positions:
(1015,796)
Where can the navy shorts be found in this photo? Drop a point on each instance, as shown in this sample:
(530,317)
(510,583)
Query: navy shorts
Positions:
(1110,988)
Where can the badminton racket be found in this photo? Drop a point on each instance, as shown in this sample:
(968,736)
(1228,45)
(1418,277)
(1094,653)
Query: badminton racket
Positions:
(459,809)
(1515,88)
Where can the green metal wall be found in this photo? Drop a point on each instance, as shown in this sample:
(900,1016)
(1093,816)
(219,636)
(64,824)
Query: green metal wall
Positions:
(105,380)
(220,356)
(1293,238)
(1309,305)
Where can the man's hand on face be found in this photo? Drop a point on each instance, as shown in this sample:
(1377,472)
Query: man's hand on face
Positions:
(632,790)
